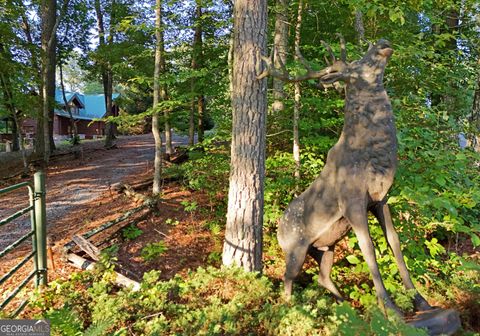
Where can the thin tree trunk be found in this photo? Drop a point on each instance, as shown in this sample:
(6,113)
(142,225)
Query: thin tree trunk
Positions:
(359,27)
(51,91)
(243,234)
(10,104)
(15,132)
(230,67)
(107,81)
(163,97)
(198,49)
(73,124)
(157,173)
(191,121)
(195,65)
(18,124)
(110,127)
(298,95)
(39,145)
(201,117)
(474,137)
(280,45)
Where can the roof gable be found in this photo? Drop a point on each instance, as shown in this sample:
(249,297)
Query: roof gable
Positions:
(93,105)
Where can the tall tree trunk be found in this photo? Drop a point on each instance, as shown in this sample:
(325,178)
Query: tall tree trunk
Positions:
(6,87)
(48,15)
(51,91)
(475,118)
(195,65)
(201,117)
(191,121)
(359,27)
(107,80)
(15,133)
(451,22)
(243,234)
(230,66)
(198,46)
(298,95)
(18,123)
(39,145)
(73,124)
(158,95)
(280,45)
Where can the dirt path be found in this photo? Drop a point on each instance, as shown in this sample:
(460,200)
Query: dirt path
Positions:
(71,184)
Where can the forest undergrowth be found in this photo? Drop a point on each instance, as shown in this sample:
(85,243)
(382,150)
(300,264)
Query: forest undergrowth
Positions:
(435,209)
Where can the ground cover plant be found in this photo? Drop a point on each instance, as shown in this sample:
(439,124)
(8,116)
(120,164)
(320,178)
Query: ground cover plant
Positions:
(180,66)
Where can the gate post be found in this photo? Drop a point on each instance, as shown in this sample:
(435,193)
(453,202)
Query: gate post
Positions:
(40,227)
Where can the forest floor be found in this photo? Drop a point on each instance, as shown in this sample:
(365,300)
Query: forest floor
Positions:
(80,197)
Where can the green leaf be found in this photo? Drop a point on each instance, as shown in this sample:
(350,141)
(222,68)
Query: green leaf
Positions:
(353,259)
(440,180)
(475,239)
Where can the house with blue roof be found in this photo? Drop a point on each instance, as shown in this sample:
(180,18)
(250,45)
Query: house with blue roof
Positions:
(85,109)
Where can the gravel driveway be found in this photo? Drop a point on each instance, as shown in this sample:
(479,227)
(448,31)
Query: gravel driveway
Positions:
(72,183)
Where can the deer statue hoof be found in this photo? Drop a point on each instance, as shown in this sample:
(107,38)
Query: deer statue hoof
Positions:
(436,321)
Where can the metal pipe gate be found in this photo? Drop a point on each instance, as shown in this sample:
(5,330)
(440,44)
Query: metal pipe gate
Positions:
(38,233)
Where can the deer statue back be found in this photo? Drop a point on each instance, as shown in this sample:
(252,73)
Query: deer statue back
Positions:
(358,173)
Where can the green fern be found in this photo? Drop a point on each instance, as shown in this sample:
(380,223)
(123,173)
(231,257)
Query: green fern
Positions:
(98,328)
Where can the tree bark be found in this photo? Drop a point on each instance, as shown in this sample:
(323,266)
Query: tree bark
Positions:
(197,101)
(475,118)
(243,234)
(17,136)
(298,95)
(201,117)
(73,124)
(359,27)
(10,105)
(451,22)
(48,15)
(107,75)
(39,145)
(157,92)
(191,121)
(280,45)
(51,90)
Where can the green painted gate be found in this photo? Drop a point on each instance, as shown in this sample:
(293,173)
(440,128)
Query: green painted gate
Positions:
(38,234)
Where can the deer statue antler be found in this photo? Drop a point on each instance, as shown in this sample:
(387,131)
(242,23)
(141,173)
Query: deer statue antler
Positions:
(283,74)
(331,73)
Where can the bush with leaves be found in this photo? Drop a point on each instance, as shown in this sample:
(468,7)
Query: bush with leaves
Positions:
(226,301)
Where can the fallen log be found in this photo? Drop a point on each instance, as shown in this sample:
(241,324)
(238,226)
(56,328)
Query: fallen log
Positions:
(179,156)
(108,224)
(87,247)
(120,227)
(85,264)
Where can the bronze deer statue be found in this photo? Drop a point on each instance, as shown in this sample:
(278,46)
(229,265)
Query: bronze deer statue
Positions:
(358,173)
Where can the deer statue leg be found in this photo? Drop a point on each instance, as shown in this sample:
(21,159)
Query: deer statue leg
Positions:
(325,262)
(382,212)
(356,214)
(295,258)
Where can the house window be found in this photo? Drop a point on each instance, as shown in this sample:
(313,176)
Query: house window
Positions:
(74,109)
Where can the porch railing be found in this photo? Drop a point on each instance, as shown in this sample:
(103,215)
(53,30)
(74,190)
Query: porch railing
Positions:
(38,234)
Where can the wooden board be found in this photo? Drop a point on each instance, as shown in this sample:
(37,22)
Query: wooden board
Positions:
(87,247)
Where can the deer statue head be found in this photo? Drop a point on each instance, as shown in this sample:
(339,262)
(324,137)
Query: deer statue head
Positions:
(365,72)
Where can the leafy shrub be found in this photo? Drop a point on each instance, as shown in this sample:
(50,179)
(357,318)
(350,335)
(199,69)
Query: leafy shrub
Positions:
(212,301)
(152,251)
(131,232)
